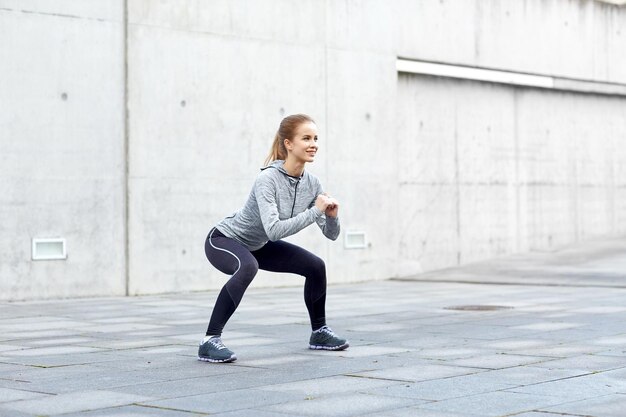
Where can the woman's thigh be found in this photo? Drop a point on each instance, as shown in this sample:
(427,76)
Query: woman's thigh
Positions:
(283,256)
(226,254)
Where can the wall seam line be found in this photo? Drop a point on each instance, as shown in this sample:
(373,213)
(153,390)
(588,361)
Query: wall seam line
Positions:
(126,158)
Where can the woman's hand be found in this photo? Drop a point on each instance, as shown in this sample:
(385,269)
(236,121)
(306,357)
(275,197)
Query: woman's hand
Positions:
(327,205)
(322,202)
(332,210)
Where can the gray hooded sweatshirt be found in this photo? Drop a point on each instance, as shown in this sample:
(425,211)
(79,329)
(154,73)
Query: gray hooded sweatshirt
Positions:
(278,206)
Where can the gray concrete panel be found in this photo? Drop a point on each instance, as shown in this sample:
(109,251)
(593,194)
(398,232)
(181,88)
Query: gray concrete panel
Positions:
(494,170)
(62,147)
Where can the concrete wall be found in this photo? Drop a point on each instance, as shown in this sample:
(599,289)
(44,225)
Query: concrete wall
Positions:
(492,170)
(436,172)
(62,146)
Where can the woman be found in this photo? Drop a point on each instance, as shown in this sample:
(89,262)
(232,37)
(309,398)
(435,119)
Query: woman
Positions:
(284,200)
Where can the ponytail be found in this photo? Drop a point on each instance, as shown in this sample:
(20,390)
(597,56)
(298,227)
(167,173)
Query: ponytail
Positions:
(286,130)
(277,151)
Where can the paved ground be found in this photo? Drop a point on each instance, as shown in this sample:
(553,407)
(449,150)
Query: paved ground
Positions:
(419,348)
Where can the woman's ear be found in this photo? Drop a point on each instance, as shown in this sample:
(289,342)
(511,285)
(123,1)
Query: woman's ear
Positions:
(288,146)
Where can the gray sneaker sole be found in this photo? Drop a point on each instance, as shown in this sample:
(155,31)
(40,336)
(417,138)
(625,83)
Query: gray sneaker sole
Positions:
(323,347)
(227,360)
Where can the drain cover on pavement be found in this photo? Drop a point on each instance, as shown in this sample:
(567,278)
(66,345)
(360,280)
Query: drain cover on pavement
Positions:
(478,308)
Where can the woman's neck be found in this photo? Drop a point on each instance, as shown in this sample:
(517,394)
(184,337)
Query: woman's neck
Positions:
(293,168)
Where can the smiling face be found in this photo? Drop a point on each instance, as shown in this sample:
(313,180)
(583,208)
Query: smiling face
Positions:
(303,146)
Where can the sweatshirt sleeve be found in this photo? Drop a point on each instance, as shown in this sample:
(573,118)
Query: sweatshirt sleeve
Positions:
(329,225)
(265,192)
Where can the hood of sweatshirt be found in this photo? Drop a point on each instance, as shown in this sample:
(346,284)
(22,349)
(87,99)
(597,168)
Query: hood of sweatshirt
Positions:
(279,165)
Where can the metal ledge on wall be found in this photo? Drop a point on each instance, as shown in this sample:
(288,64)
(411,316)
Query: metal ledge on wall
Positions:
(508,77)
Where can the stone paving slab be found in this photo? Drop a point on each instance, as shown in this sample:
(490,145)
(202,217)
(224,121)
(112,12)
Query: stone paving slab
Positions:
(330,385)
(7,395)
(421,372)
(58,360)
(593,263)
(420,412)
(592,363)
(135,411)
(605,406)
(531,375)
(444,388)
(556,349)
(577,388)
(72,402)
(338,405)
(216,402)
(493,404)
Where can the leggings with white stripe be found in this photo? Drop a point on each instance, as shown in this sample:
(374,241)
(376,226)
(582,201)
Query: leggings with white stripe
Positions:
(232,258)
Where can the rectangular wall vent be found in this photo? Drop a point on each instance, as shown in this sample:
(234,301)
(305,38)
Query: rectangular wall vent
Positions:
(355,240)
(49,249)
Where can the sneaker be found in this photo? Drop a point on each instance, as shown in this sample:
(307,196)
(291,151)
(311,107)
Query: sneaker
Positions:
(326,339)
(213,350)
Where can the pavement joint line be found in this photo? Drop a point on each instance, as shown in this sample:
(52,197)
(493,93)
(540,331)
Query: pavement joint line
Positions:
(15,380)
(159,407)
(539,410)
(552,413)
(377,378)
(548,357)
(521,284)
(36,392)
(556,379)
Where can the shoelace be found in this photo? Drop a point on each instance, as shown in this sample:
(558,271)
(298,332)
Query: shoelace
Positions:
(327,330)
(217,342)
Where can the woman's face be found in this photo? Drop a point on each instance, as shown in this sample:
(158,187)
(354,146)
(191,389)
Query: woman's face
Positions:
(304,144)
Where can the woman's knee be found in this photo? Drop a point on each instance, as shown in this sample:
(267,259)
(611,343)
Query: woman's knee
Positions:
(249,268)
(317,267)
(247,271)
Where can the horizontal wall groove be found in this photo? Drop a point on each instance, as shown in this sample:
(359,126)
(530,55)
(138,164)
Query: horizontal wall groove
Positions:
(62,15)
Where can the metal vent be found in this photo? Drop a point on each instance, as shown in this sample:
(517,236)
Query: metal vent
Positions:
(48,249)
(355,240)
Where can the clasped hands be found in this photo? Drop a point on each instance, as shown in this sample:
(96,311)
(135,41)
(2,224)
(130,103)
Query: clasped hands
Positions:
(327,205)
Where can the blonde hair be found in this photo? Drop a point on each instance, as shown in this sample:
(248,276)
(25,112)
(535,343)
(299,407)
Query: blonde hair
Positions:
(286,130)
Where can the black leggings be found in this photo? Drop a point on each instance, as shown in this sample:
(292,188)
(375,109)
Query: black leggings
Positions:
(232,258)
